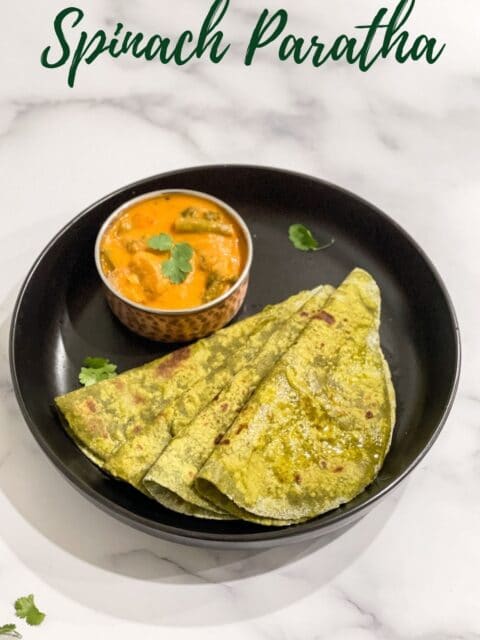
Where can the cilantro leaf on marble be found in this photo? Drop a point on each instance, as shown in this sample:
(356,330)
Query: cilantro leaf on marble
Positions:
(26,608)
(10,630)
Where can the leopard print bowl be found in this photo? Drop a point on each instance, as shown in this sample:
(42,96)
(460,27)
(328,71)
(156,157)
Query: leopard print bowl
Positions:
(177,325)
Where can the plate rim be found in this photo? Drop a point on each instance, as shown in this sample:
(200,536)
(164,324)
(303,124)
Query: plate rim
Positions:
(268,537)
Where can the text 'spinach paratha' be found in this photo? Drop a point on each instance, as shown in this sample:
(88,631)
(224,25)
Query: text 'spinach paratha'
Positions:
(170,480)
(317,430)
(103,416)
(134,458)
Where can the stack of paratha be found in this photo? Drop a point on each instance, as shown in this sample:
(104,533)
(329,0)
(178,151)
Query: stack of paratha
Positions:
(276,419)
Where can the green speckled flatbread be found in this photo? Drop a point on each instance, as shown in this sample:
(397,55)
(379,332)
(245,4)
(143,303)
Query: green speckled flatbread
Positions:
(134,458)
(170,480)
(317,430)
(102,417)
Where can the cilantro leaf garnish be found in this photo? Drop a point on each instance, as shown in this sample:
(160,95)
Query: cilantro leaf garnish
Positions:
(171,271)
(179,265)
(96,369)
(182,251)
(303,239)
(10,630)
(162,242)
(26,608)
(95,363)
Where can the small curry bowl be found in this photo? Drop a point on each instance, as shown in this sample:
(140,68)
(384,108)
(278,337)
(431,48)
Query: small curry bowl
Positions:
(177,325)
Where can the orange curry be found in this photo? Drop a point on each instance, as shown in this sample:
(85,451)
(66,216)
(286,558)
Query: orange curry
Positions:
(135,270)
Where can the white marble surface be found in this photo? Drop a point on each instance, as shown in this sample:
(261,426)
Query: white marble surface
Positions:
(406,138)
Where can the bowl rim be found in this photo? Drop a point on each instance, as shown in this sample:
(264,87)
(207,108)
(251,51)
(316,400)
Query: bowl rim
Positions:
(175,312)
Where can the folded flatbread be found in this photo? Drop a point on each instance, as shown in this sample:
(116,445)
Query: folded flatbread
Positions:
(135,456)
(317,430)
(171,478)
(102,417)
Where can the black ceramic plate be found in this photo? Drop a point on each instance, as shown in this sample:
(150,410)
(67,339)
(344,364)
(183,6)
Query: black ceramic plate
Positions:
(61,317)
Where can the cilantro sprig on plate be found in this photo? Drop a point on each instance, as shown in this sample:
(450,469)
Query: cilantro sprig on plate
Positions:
(303,239)
(96,369)
(179,265)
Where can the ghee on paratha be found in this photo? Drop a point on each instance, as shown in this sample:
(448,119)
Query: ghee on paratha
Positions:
(135,456)
(170,480)
(317,430)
